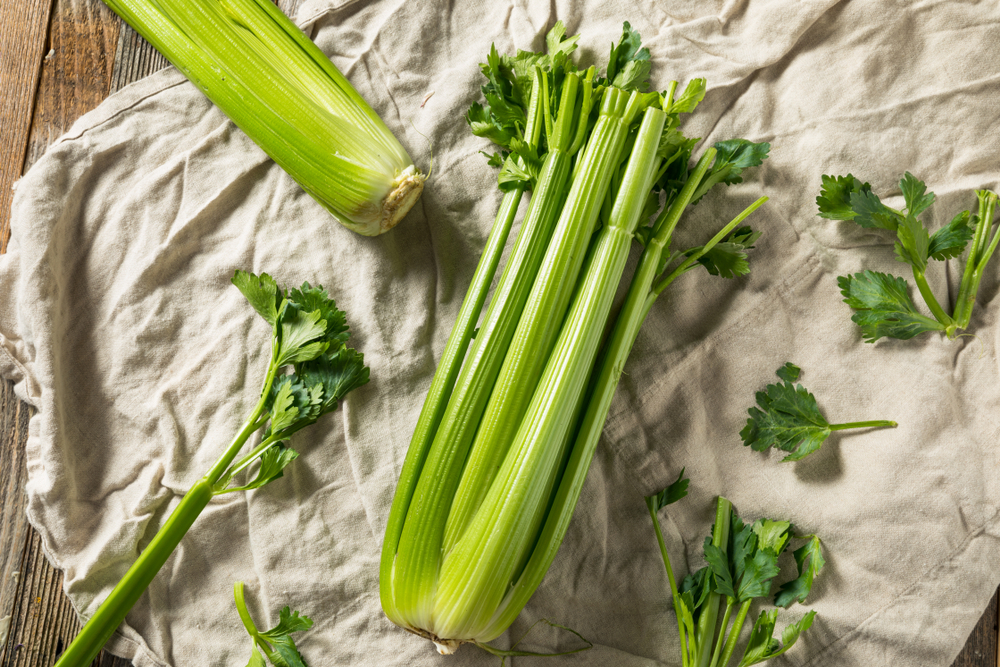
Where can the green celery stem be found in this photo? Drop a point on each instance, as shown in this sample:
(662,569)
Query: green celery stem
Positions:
(674,593)
(111,613)
(931,300)
(476,574)
(705,631)
(722,632)
(440,390)
(559,513)
(714,241)
(486,355)
(448,492)
(241,609)
(734,634)
(451,362)
(979,255)
(879,423)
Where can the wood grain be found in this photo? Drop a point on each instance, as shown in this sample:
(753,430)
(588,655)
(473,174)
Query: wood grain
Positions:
(14,529)
(135,58)
(23,34)
(75,72)
(981,649)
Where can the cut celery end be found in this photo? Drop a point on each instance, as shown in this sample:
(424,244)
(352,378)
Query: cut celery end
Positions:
(278,87)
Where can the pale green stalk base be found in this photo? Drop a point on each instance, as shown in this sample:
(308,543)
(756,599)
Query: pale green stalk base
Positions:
(437,397)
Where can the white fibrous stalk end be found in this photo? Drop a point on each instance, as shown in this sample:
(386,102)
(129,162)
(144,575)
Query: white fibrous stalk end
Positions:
(447,646)
(408,186)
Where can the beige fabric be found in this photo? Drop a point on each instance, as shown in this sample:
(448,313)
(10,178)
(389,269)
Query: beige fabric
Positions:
(118,323)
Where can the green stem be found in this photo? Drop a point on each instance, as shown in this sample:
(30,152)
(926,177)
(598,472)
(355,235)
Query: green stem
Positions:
(979,255)
(111,613)
(241,608)
(557,395)
(455,350)
(440,390)
(669,100)
(879,423)
(710,612)
(250,426)
(674,593)
(931,301)
(734,634)
(730,602)
(664,228)
(715,240)
(486,355)
(253,455)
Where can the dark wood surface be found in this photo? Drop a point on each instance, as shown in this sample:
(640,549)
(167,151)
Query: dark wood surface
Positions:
(58,60)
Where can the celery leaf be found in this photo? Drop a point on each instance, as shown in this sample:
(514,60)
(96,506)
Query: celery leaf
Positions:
(883,306)
(337,373)
(689,99)
(809,560)
(276,643)
(628,64)
(913,243)
(723,577)
(262,293)
(949,241)
(772,535)
(871,213)
(729,258)
(789,372)
(758,571)
(301,335)
(669,495)
(273,462)
(834,200)
(763,646)
(483,125)
(788,419)
(558,45)
(915,194)
(732,157)
(311,299)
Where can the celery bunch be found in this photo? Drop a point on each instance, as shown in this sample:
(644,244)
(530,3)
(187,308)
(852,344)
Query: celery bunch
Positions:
(513,414)
(279,88)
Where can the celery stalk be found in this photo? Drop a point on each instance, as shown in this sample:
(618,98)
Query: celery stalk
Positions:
(440,391)
(278,87)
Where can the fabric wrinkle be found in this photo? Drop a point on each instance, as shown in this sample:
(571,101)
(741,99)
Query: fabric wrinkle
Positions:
(121,326)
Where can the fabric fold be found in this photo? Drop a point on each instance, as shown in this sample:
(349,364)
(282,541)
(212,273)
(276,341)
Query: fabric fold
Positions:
(118,323)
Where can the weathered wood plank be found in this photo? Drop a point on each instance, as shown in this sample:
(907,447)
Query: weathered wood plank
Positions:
(135,58)
(22,48)
(14,529)
(76,72)
(981,649)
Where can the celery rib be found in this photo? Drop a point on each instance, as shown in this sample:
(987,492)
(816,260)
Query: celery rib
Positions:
(437,396)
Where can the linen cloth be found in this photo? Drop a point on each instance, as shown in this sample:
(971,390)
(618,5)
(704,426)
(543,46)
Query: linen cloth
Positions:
(118,323)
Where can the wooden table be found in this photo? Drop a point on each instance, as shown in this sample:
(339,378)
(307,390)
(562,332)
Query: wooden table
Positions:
(58,60)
